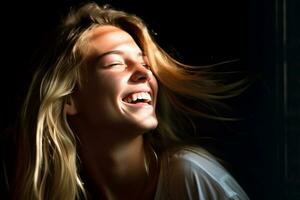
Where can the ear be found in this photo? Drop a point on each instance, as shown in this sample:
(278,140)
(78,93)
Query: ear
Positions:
(70,106)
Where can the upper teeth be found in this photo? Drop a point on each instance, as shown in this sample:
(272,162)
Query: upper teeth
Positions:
(138,95)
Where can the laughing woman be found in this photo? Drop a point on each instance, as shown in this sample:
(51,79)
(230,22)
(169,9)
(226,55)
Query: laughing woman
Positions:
(98,121)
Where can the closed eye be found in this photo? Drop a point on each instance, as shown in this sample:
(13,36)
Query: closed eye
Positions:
(114,64)
(146,66)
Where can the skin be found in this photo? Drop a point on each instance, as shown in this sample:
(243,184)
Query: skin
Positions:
(110,129)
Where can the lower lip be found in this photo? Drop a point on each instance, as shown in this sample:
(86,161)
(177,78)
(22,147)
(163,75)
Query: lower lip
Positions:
(140,104)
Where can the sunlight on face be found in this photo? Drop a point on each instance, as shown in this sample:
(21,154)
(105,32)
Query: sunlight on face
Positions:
(120,90)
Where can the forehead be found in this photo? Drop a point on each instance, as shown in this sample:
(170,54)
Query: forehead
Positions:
(108,38)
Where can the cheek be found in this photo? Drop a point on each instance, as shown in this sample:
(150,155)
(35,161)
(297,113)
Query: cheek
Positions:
(97,91)
(98,100)
(110,86)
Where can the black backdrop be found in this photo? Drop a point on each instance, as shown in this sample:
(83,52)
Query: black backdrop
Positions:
(197,32)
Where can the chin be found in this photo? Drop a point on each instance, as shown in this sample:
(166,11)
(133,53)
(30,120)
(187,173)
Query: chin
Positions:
(140,117)
(146,124)
(151,125)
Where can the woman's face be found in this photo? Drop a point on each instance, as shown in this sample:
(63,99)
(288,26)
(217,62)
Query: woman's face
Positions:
(119,90)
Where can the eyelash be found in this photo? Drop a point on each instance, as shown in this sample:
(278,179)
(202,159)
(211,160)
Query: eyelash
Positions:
(116,64)
(113,64)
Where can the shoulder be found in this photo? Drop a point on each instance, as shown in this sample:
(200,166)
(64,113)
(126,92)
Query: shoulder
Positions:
(192,173)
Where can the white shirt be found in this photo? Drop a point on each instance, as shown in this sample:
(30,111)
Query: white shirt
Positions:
(190,174)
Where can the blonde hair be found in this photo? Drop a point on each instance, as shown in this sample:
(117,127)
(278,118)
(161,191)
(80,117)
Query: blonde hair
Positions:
(48,164)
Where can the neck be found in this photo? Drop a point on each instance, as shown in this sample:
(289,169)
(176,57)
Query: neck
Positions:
(115,168)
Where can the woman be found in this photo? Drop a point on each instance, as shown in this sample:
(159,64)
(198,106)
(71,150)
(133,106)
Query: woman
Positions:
(98,121)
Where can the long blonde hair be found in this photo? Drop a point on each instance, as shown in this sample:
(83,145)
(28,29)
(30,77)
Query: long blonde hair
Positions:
(48,164)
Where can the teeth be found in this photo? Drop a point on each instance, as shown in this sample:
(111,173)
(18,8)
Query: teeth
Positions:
(138,96)
(134,97)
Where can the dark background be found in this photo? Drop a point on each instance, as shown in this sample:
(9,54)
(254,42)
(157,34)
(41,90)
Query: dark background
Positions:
(263,149)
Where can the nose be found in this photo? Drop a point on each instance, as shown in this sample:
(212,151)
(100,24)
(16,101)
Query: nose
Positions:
(140,74)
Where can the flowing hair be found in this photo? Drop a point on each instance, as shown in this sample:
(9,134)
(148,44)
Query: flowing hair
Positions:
(48,166)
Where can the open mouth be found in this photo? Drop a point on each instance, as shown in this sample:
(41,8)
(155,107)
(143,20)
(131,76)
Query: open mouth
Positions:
(138,98)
